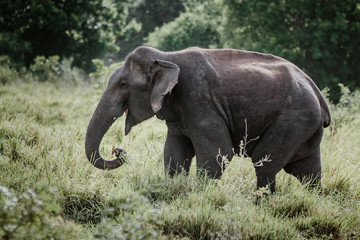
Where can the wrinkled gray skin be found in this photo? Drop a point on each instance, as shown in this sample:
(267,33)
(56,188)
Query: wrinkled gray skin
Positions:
(207,98)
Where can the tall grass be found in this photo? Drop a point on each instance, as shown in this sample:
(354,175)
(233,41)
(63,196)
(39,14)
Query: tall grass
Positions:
(54,192)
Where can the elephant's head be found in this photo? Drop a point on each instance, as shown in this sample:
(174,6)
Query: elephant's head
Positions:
(137,88)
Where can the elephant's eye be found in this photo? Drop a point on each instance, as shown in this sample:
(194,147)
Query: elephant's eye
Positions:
(124,84)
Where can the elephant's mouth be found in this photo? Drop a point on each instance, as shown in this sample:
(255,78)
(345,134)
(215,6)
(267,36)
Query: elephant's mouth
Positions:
(129,120)
(126,111)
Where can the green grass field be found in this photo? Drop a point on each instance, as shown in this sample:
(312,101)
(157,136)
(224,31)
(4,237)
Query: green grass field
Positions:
(49,190)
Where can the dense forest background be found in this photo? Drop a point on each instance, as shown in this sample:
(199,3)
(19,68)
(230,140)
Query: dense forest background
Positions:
(321,37)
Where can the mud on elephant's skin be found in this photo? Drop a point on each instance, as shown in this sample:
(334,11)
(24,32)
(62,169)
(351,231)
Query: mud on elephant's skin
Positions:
(205,96)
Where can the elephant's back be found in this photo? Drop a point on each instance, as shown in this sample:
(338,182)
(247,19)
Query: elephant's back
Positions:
(252,81)
(266,84)
(250,75)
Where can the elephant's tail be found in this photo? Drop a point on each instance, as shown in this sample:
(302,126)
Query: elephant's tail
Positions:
(325,112)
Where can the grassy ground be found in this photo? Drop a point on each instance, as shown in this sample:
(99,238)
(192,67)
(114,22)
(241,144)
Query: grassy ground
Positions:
(50,191)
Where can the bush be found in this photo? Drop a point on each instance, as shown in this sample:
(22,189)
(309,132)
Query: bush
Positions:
(345,110)
(130,217)
(49,69)
(7,74)
(53,70)
(102,74)
(81,29)
(26,216)
(198,26)
(46,69)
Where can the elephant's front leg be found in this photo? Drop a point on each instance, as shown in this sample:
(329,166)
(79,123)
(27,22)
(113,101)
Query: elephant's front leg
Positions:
(213,146)
(178,153)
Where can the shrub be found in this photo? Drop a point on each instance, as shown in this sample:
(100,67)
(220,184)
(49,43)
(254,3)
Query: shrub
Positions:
(344,111)
(198,26)
(26,216)
(102,74)
(7,74)
(49,69)
(46,69)
(130,216)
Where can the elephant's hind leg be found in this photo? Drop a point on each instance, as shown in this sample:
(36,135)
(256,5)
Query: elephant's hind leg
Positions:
(276,147)
(308,169)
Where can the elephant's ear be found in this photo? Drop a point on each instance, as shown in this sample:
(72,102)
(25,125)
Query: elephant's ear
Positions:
(164,76)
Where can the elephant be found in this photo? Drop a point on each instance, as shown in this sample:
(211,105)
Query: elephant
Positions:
(213,100)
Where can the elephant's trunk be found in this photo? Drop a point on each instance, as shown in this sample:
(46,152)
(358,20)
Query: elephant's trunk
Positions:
(98,126)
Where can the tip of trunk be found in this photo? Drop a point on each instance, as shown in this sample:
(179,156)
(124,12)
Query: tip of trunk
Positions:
(103,164)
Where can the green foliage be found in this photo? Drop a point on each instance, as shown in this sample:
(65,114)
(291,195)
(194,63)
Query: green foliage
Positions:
(101,76)
(198,26)
(82,30)
(26,214)
(151,14)
(42,148)
(52,70)
(46,69)
(144,16)
(102,71)
(129,217)
(345,110)
(43,70)
(7,74)
(12,44)
(318,36)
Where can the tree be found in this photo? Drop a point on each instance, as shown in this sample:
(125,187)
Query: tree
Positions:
(197,26)
(148,14)
(322,37)
(83,30)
